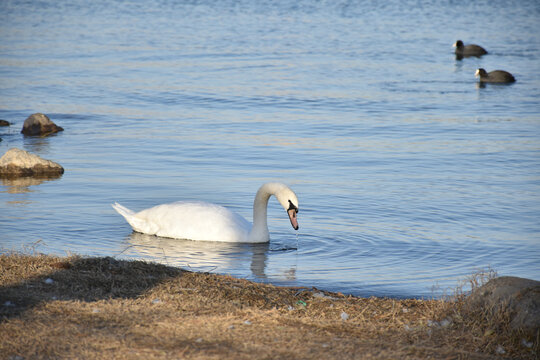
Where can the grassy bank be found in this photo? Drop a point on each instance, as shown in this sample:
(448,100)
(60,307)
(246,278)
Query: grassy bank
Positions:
(88,308)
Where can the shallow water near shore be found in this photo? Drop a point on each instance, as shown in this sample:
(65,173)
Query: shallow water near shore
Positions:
(409,175)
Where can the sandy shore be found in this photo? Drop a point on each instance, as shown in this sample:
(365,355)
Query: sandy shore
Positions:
(88,308)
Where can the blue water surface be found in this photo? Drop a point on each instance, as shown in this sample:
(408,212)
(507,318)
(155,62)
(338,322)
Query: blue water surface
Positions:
(410,176)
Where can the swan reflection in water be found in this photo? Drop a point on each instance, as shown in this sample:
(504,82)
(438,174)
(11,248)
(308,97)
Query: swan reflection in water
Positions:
(209,256)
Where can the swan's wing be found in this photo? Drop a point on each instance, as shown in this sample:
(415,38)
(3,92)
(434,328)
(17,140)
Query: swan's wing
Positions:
(195,221)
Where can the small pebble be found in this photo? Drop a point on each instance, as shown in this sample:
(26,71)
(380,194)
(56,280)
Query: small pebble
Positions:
(247,322)
(500,350)
(95,311)
(48,281)
(405,310)
(156,301)
(344,316)
(9,303)
(321,295)
(445,323)
(231,327)
(199,340)
(526,343)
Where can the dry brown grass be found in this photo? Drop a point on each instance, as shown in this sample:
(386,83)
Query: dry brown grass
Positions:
(105,308)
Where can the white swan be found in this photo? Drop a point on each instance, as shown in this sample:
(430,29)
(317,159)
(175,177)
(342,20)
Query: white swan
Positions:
(210,222)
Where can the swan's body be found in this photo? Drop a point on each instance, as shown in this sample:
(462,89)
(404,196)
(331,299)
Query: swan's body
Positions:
(210,222)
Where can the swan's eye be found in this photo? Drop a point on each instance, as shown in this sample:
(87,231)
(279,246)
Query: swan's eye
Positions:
(292,207)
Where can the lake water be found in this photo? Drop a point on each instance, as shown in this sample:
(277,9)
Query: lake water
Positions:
(409,175)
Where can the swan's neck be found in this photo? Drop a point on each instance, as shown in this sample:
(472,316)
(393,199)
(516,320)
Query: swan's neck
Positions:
(259,230)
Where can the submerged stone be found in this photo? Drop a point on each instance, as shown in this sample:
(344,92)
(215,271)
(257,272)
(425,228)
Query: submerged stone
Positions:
(17,163)
(4,123)
(22,184)
(39,124)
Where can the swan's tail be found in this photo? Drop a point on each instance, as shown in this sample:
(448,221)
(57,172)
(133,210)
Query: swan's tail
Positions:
(136,224)
(124,211)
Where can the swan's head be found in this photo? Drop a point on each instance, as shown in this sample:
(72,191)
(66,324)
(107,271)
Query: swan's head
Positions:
(287,198)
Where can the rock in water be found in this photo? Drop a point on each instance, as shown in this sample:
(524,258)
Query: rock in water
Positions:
(4,123)
(520,297)
(39,124)
(17,162)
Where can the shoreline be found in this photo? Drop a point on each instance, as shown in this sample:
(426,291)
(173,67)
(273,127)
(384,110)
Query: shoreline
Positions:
(88,307)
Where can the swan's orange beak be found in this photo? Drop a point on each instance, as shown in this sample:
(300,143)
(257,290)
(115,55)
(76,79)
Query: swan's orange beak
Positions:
(292,217)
